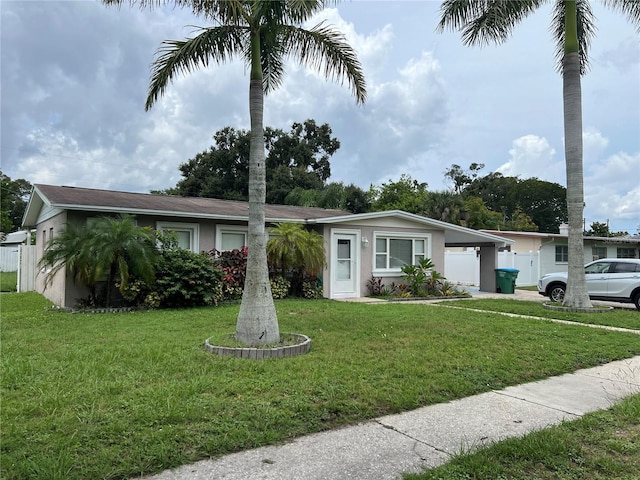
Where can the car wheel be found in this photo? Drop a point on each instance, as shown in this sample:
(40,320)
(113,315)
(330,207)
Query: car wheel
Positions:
(556,292)
(636,300)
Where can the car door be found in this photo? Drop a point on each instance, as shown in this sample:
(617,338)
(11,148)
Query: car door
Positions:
(597,276)
(624,278)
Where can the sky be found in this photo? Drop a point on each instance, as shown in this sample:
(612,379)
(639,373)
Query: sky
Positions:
(74,79)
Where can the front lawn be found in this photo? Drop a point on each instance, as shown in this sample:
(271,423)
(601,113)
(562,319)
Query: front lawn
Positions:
(619,317)
(8,281)
(119,395)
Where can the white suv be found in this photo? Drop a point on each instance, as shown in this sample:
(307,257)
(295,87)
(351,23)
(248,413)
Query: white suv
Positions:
(610,279)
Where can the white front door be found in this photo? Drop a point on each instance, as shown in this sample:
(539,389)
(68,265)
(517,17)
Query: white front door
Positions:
(345,266)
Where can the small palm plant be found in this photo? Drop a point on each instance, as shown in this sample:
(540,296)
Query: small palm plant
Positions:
(107,249)
(296,252)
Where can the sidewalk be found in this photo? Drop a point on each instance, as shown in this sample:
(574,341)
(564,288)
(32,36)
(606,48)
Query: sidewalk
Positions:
(387,447)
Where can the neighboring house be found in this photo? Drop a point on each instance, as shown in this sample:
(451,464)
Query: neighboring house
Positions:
(553,247)
(357,245)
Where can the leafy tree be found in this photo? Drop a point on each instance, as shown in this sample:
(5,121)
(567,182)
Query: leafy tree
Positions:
(264,34)
(298,158)
(107,248)
(221,172)
(483,21)
(14,196)
(544,202)
(599,229)
(405,194)
(460,177)
(520,222)
(334,195)
(480,217)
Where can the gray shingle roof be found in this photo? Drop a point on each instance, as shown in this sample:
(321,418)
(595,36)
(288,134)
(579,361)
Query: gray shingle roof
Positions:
(77,198)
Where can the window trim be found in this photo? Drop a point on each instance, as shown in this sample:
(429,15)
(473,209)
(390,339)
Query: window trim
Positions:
(396,271)
(566,249)
(192,228)
(631,250)
(222,229)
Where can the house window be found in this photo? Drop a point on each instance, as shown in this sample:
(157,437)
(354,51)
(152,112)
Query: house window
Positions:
(599,252)
(393,250)
(562,253)
(625,252)
(188,234)
(231,238)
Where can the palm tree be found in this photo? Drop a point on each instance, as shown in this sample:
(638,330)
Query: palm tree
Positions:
(291,246)
(70,249)
(120,248)
(264,33)
(484,21)
(107,248)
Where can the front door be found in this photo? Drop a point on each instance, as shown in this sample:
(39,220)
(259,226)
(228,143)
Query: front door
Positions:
(345,273)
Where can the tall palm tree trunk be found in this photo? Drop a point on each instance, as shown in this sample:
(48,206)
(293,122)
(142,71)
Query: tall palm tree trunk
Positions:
(257,321)
(576,294)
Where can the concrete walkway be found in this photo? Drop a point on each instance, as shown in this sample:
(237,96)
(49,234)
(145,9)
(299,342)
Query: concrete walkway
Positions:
(387,447)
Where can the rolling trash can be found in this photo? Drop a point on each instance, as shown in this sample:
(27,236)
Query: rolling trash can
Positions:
(506,280)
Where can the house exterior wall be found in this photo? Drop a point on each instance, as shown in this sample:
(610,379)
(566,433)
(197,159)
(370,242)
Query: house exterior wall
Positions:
(548,263)
(52,288)
(365,233)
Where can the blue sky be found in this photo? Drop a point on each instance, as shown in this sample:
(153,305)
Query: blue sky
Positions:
(75,76)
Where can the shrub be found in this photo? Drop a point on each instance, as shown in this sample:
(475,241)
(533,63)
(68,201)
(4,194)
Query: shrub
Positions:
(233,265)
(185,278)
(375,286)
(312,288)
(280,287)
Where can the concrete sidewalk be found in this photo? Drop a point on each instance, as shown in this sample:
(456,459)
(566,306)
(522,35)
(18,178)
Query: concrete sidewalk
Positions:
(387,447)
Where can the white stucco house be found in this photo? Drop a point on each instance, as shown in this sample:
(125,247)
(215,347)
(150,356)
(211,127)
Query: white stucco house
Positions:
(357,245)
(553,247)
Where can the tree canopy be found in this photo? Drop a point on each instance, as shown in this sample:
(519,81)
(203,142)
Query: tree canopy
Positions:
(14,195)
(297,159)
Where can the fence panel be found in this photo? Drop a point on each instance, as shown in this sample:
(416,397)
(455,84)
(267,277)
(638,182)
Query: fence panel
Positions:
(8,259)
(27,268)
(464,267)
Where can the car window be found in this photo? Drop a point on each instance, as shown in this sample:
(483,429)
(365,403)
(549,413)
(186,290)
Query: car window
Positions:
(624,267)
(598,267)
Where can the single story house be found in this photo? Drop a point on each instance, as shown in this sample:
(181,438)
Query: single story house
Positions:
(357,245)
(554,251)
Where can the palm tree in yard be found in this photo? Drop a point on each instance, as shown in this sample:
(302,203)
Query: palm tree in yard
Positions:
(264,34)
(110,249)
(484,21)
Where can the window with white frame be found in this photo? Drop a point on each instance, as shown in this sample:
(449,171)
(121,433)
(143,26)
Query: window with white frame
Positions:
(394,250)
(188,234)
(562,253)
(625,252)
(598,252)
(231,238)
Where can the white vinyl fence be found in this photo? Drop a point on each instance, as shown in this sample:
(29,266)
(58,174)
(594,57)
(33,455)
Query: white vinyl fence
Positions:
(8,259)
(464,267)
(27,270)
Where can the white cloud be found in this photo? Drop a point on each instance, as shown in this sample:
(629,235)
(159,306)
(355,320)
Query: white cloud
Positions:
(533,156)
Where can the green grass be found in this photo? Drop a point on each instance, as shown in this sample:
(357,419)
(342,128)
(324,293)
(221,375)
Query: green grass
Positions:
(119,395)
(603,445)
(619,317)
(530,288)
(8,281)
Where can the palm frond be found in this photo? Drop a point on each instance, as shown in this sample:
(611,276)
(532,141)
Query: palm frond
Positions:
(485,21)
(327,51)
(181,57)
(630,8)
(586,32)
